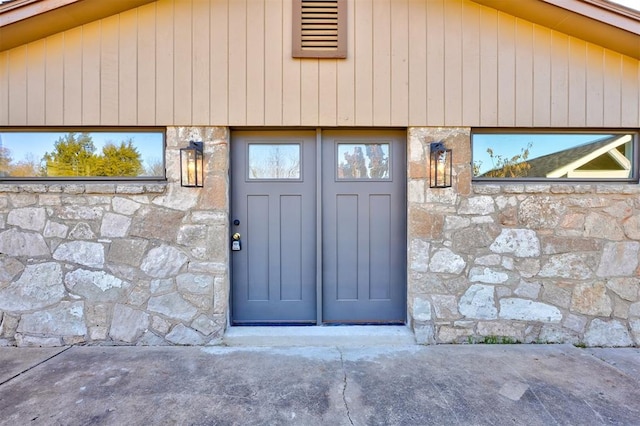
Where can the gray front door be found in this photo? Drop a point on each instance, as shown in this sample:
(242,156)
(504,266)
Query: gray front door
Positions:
(337,231)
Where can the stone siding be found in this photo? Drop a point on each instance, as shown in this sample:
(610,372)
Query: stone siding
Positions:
(118,263)
(547,263)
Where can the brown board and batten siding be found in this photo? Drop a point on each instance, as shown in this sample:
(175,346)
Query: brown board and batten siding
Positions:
(228,62)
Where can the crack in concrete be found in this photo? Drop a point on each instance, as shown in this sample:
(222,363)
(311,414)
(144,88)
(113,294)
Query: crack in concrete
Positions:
(344,386)
(34,366)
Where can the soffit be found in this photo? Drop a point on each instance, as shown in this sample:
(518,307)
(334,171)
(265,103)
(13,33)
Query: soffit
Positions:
(596,21)
(23,21)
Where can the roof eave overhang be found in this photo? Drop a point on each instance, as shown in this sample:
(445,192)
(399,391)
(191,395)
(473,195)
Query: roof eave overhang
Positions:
(23,21)
(596,21)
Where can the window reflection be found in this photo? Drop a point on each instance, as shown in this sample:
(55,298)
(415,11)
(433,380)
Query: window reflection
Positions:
(363,161)
(274,161)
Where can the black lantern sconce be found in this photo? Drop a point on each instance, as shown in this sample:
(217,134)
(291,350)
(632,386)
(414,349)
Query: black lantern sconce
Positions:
(191,165)
(440,168)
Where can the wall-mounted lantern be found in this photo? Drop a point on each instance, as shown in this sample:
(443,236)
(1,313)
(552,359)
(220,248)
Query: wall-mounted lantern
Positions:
(441,170)
(191,165)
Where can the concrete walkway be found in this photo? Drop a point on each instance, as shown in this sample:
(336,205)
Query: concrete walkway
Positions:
(393,385)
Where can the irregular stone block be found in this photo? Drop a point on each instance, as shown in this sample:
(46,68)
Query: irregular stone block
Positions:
(128,324)
(478,302)
(591,299)
(446,261)
(634,310)
(487,275)
(419,252)
(445,306)
(424,333)
(425,224)
(161,286)
(82,231)
(455,222)
(220,295)
(527,267)
(601,226)
(31,218)
(557,293)
(154,222)
(607,333)
(631,227)
(575,323)
(619,259)
(195,283)
(192,235)
(151,339)
(172,306)
(81,252)
(37,342)
(530,290)
(207,326)
(17,243)
(66,319)
(568,265)
(540,212)
(528,310)
(163,261)
(634,325)
(421,309)
(183,335)
(160,324)
(178,198)
(96,286)
(448,334)
(501,329)
(114,225)
(469,239)
(39,286)
(488,260)
(55,229)
(479,205)
(556,334)
(9,269)
(77,212)
(124,206)
(626,288)
(519,242)
(127,251)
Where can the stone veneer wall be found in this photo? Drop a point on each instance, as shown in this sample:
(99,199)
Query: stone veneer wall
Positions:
(528,262)
(118,263)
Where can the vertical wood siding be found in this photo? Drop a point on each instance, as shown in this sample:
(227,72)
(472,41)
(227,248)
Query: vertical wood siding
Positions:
(228,62)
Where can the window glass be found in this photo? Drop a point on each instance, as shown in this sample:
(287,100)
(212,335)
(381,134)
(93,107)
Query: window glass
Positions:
(598,156)
(81,154)
(274,161)
(363,161)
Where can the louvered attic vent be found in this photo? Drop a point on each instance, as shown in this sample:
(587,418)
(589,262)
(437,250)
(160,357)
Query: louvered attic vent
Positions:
(319,29)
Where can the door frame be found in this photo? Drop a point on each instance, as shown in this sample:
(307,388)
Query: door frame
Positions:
(319,218)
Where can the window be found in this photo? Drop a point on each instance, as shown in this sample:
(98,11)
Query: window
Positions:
(81,154)
(363,161)
(274,161)
(319,29)
(532,155)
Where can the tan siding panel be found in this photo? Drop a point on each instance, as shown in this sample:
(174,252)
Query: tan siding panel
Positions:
(541,76)
(18,85)
(399,63)
(363,52)
(255,62)
(54,79)
(274,51)
(327,102)
(612,89)
(128,68)
(200,33)
(559,79)
(435,63)
(418,63)
(219,99)
(452,71)
(471,99)
(630,116)
(577,82)
(506,70)
(381,66)
(35,83)
(4,88)
(182,62)
(146,102)
(489,67)
(73,77)
(91,39)
(109,76)
(346,75)
(595,85)
(164,63)
(238,62)
(524,74)
(290,72)
(309,84)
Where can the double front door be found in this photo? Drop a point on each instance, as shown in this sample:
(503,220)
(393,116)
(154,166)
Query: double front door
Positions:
(319,221)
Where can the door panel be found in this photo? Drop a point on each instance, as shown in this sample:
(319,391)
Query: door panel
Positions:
(364,227)
(274,199)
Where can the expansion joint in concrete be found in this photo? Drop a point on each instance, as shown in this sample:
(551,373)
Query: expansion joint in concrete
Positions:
(344,387)
(31,367)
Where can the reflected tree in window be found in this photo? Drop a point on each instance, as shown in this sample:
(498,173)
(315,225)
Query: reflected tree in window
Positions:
(281,161)
(363,161)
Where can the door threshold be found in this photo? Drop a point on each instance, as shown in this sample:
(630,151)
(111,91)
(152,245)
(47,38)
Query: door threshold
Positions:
(357,335)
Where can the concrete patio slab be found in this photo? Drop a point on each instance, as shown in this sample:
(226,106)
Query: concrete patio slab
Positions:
(14,361)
